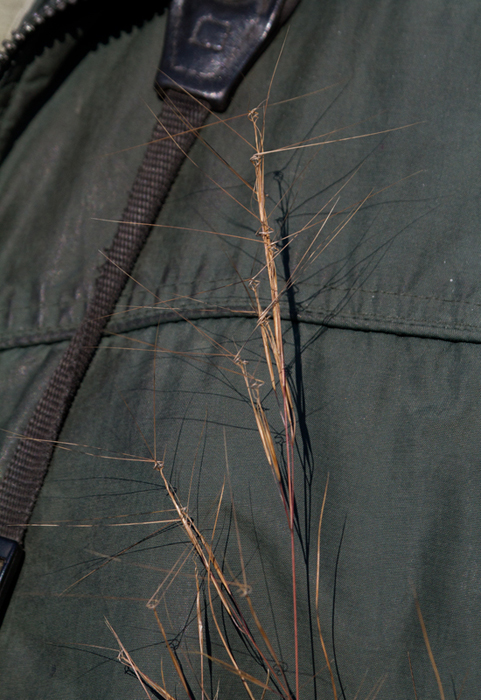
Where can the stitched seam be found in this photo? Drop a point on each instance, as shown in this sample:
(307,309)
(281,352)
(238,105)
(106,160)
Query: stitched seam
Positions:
(322,317)
(403,294)
(70,329)
(22,337)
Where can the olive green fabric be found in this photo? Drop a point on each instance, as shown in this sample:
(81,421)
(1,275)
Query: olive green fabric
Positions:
(382,326)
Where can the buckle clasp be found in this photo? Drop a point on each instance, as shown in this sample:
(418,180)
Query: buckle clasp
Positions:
(210,44)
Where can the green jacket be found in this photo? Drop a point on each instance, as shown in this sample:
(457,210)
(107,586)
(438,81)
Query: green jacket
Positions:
(382,323)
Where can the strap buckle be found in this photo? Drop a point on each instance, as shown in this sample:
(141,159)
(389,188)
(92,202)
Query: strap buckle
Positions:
(209,45)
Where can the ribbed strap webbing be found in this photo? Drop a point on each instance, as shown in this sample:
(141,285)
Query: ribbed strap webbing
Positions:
(26,472)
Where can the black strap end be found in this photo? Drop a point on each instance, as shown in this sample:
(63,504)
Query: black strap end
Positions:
(210,45)
(11,560)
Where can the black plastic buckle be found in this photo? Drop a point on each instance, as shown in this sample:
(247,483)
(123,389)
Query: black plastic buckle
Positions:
(210,44)
(11,560)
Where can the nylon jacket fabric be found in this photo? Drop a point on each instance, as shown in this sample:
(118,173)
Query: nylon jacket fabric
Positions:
(382,326)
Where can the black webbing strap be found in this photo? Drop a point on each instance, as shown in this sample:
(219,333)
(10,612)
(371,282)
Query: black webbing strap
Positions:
(204,55)
(25,474)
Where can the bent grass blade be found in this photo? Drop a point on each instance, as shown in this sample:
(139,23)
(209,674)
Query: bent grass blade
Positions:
(231,595)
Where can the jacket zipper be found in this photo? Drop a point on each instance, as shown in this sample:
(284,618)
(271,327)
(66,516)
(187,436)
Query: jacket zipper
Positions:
(31,22)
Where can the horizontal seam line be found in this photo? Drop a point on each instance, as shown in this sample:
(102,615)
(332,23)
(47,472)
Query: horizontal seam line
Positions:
(324,317)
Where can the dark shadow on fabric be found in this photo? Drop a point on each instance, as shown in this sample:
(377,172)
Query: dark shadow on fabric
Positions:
(296,381)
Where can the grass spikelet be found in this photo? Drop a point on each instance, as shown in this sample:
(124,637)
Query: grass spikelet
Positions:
(226,599)
(224,604)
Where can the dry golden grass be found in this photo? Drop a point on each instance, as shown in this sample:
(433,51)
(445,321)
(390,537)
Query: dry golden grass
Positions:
(209,571)
(233,595)
(201,553)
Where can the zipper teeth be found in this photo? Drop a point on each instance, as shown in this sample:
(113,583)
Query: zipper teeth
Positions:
(28,26)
